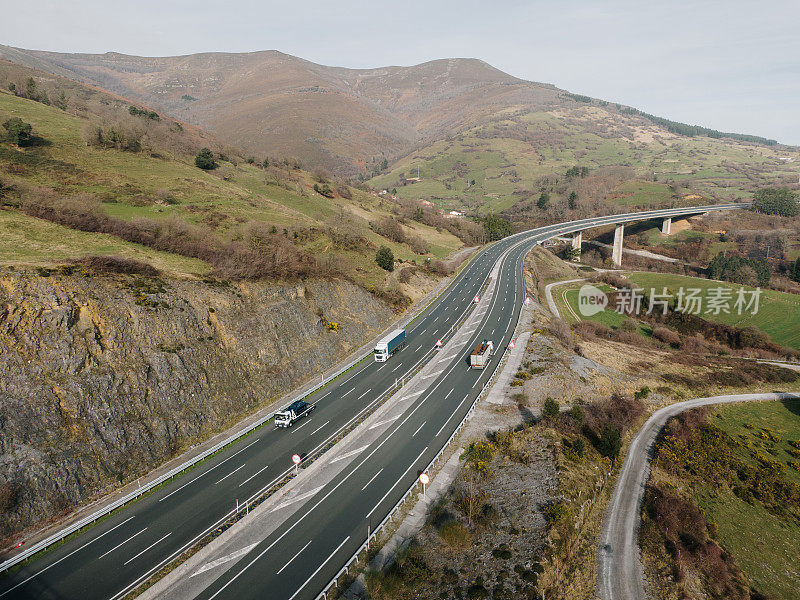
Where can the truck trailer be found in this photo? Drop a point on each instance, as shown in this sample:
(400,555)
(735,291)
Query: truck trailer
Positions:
(481,355)
(294,412)
(389,345)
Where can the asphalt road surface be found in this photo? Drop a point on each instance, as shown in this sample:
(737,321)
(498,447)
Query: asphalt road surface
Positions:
(110,559)
(619,570)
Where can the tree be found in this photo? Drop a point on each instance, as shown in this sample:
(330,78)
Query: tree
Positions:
(385,258)
(496,228)
(573,201)
(551,408)
(12,87)
(19,132)
(384,165)
(265,164)
(776,201)
(61,100)
(204,159)
(544,201)
(796,271)
(610,441)
(30,88)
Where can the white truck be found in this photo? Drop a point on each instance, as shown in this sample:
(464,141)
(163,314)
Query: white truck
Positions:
(389,345)
(294,412)
(481,355)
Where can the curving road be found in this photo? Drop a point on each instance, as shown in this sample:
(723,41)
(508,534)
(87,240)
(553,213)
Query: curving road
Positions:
(619,569)
(113,557)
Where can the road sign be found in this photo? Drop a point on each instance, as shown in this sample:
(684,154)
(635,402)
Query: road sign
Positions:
(296,459)
(476,299)
(424,479)
(527,299)
(439,343)
(511,344)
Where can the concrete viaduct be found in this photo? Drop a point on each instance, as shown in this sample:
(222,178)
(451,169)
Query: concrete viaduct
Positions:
(619,227)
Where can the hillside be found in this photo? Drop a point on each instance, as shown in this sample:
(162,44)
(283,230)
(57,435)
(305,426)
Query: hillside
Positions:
(136,193)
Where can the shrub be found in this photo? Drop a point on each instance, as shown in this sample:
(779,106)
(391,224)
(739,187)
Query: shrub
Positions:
(610,441)
(667,336)
(205,160)
(454,534)
(551,408)
(19,132)
(117,264)
(385,258)
(390,229)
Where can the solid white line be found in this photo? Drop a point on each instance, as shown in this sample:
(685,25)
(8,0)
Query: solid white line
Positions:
(320,427)
(65,557)
(122,544)
(364,394)
(231,473)
(146,549)
(221,561)
(207,472)
(398,481)
(291,559)
(349,454)
(253,475)
(418,428)
(451,416)
(371,480)
(297,498)
(379,423)
(319,568)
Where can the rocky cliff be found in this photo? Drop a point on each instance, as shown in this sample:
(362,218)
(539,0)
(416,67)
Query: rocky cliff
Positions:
(103,378)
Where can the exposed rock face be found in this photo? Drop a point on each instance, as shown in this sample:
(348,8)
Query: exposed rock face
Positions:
(102,379)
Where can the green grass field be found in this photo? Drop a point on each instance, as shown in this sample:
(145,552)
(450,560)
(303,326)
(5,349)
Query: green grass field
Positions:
(505,159)
(136,184)
(766,547)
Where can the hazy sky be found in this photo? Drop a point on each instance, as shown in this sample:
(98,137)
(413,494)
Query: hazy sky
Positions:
(731,65)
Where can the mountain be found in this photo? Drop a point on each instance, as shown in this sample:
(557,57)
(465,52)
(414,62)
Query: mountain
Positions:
(276,104)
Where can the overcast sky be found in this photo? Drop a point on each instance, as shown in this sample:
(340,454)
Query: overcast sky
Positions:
(732,65)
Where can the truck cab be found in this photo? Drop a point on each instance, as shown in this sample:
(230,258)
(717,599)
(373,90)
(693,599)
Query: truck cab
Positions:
(390,344)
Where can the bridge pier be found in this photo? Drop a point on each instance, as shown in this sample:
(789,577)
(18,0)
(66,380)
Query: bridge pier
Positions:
(666,226)
(577,242)
(616,253)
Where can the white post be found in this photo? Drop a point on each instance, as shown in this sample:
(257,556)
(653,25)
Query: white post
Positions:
(237,506)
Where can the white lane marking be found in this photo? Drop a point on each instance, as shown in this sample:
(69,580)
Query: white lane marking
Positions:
(389,420)
(364,394)
(448,393)
(418,428)
(319,568)
(451,416)
(320,427)
(146,549)
(291,559)
(296,429)
(371,480)
(398,481)
(347,392)
(65,557)
(383,365)
(397,367)
(254,475)
(231,473)
(349,454)
(297,498)
(433,374)
(207,472)
(122,544)
(418,349)
(221,561)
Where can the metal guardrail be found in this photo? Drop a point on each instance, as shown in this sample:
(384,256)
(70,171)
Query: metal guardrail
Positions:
(139,492)
(120,502)
(410,491)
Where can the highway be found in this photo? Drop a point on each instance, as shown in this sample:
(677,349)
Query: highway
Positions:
(113,557)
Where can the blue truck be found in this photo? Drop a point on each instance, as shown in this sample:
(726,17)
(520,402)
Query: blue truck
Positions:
(389,345)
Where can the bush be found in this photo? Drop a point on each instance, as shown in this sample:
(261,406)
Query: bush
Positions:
(551,409)
(205,160)
(667,336)
(610,441)
(454,534)
(19,132)
(390,229)
(385,258)
(117,264)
